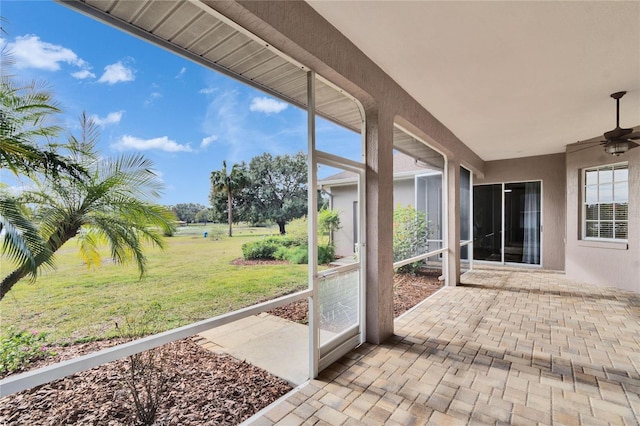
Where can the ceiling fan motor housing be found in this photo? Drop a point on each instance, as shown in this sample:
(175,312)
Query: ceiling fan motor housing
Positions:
(619,140)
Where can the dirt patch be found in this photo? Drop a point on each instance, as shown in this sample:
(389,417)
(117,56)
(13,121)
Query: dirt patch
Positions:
(206,388)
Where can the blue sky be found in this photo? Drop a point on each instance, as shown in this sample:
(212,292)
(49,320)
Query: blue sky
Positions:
(186,118)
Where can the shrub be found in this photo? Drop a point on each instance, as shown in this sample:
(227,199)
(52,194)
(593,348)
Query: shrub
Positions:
(297,231)
(298,255)
(410,234)
(216,234)
(282,253)
(139,324)
(145,374)
(326,254)
(328,222)
(261,249)
(20,348)
(285,248)
(267,248)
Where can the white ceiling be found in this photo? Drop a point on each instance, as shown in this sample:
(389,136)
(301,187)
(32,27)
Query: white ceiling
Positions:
(510,79)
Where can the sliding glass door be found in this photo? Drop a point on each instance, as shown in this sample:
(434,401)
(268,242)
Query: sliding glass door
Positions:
(507,222)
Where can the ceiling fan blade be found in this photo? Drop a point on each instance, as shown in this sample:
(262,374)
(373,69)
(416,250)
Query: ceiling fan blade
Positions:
(617,133)
(587,146)
(633,136)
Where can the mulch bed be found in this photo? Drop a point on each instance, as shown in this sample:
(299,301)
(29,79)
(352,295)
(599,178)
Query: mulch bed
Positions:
(206,388)
(408,291)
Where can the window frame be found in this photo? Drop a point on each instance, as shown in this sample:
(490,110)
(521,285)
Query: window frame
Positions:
(583,201)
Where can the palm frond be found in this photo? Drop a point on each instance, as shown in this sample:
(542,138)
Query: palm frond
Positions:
(89,241)
(123,240)
(21,241)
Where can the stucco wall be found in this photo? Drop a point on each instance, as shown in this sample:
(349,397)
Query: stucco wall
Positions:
(293,27)
(342,201)
(343,198)
(550,169)
(602,264)
(404,192)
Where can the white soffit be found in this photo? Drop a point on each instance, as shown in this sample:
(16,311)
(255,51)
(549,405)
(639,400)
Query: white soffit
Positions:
(510,79)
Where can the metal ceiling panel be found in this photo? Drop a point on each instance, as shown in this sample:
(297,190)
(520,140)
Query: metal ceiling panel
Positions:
(192,29)
(417,149)
(185,13)
(213,39)
(130,9)
(191,34)
(343,109)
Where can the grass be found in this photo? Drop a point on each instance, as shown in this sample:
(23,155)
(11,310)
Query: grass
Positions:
(192,279)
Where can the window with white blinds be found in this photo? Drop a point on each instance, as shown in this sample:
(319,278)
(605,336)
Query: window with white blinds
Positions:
(606,202)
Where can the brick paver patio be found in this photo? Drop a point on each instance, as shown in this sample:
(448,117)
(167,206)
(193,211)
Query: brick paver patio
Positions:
(504,348)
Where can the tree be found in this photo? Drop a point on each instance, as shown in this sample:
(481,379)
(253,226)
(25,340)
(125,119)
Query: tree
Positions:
(113,205)
(228,184)
(278,190)
(25,115)
(187,211)
(203,216)
(25,110)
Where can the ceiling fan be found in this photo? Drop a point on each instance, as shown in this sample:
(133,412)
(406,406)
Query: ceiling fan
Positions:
(619,140)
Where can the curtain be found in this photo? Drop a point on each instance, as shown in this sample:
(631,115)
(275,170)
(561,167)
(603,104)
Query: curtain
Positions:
(531,245)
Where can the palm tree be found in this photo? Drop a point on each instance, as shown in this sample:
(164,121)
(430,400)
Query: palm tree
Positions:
(24,119)
(230,184)
(112,205)
(25,112)
(21,242)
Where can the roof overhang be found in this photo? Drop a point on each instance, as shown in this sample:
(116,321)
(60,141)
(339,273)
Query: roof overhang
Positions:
(197,32)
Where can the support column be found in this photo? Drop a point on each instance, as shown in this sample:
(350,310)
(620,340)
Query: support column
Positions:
(379,238)
(453,228)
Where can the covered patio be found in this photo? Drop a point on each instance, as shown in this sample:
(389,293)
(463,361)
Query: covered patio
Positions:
(505,347)
(502,94)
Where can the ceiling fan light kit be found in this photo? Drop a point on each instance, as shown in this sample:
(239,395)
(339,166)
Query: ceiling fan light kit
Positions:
(617,147)
(619,140)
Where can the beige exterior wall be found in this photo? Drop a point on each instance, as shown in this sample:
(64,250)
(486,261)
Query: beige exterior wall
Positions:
(294,28)
(550,169)
(343,198)
(404,192)
(616,264)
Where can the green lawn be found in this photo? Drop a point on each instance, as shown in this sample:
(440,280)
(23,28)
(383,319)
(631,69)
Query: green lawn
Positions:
(192,279)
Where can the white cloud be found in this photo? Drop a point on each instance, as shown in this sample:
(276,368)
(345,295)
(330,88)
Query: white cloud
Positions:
(152,97)
(111,118)
(81,75)
(181,73)
(207,90)
(163,143)
(30,52)
(116,73)
(267,105)
(208,141)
